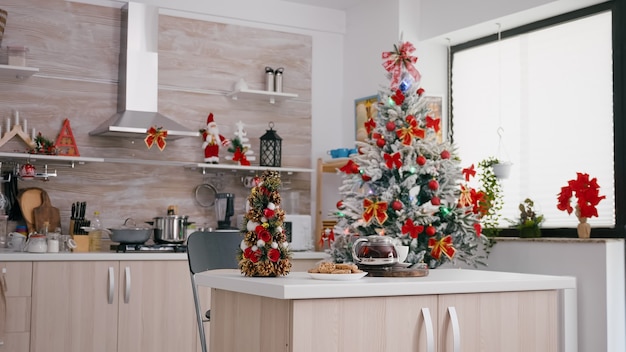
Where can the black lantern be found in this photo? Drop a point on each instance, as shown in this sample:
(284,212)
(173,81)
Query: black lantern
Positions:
(270,148)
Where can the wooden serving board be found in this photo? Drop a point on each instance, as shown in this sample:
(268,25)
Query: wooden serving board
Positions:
(29,199)
(46,213)
(396,271)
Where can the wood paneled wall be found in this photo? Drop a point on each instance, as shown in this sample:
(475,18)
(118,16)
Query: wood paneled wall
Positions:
(76,48)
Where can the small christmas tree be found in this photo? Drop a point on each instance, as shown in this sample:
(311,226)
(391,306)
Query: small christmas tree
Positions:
(264,250)
(406,184)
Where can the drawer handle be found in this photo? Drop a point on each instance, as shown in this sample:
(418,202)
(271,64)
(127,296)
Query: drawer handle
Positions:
(111,285)
(456,333)
(127,288)
(428,325)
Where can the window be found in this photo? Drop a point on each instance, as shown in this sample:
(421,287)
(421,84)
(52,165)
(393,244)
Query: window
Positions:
(542,99)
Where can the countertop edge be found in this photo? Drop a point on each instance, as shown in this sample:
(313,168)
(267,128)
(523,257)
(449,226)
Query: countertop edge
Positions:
(9,256)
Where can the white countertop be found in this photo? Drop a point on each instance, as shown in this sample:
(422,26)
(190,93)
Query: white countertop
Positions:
(7,255)
(300,285)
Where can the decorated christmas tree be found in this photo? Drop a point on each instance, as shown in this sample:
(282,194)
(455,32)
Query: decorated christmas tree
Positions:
(404,182)
(264,251)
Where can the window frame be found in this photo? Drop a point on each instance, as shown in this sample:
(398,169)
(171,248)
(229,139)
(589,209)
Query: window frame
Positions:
(618,10)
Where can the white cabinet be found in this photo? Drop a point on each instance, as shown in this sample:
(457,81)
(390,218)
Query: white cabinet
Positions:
(112,306)
(18,301)
(480,322)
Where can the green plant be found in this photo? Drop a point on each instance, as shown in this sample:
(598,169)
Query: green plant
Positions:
(493,200)
(529,221)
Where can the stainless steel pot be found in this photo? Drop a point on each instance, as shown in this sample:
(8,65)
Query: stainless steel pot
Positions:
(170,228)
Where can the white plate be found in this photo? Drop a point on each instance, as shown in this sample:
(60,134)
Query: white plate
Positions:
(338,277)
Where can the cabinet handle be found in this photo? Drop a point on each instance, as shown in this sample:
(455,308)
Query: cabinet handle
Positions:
(111,284)
(456,332)
(127,288)
(428,325)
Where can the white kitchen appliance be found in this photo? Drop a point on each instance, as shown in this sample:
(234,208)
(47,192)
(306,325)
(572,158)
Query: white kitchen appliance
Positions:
(298,231)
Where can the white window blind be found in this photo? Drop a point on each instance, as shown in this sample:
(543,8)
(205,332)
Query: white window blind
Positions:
(550,94)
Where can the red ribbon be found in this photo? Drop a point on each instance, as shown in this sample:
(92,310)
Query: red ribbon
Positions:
(374,209)
(406,134)
(443,245)
(369,125)
(394,60)
(432,123)
(410,228)
(393,160)
(156,135)
(350,168)
(240,156)
(469,172)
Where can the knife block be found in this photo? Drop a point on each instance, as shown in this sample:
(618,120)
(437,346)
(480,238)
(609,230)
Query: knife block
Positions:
(82,243)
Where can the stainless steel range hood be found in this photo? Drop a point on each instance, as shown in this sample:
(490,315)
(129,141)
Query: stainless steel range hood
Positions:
(138,89)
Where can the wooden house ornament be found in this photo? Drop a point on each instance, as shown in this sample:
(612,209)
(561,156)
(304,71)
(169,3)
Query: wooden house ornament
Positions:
(65,143)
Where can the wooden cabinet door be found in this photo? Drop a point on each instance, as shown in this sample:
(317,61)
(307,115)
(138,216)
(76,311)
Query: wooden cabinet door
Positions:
(74,307)
(372,324)
(499,321)
(156,307)
(18,276)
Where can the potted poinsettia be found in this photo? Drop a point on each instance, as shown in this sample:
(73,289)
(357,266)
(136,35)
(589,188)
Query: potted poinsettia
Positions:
(587,193)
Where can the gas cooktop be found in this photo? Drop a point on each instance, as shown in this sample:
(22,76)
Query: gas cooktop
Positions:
(149,248)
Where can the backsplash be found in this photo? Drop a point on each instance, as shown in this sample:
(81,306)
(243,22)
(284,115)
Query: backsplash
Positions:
(199,63)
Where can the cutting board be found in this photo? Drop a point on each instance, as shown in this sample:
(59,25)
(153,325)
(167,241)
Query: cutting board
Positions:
(46,213)
(29,199)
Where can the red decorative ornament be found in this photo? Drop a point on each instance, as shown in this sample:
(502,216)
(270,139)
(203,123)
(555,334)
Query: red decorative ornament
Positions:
(435,201)
(432,123)
(421,160)
(380,142)
(394,160)
(395,60)
(350,168)
(445,154)
(469,172)
(269,213)
(340,205)
(431,230)
(369,125)
(433,185)
(398,98)
(410,228)
(397,205)
(444,246)
(420,91)
(156,136)
(390,126)
(365,178)
(375,210)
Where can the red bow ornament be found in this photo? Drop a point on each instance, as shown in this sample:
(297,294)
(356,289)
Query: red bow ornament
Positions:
(374,209)
(240,156)
(350,168)
(156,136)
(443,245)
(369,125)
(411,229)
(432,123)
(406,134)
(393,160)
(394,60)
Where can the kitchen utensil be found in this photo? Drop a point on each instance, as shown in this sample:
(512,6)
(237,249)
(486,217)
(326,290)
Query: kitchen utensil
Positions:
(204,194)
(129,233)
(29,199)
(46,213)
(170,228)
(16,241)
(224,208)
(374,250)
(27,171)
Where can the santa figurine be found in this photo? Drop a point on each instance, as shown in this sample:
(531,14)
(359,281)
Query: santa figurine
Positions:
(212,140)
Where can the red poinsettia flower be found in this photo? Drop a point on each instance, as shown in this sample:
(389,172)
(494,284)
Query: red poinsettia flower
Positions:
(273,254)
(587,193)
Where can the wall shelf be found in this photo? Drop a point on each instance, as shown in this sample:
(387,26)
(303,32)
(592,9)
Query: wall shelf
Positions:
(272,97)
(251,169)
(19,72)
(49,158)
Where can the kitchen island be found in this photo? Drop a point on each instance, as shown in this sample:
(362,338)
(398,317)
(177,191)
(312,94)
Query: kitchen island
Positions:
(478,310)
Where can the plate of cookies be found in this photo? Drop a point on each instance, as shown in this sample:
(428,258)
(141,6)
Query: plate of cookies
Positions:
(336,272)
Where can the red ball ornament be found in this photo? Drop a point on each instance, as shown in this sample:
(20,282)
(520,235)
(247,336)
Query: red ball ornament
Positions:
(380,142)
(420,91)
(397,205)
(433,185)
(445,154)
(421,160)
(435,200)
(365,177)
(340,205)
(430,230)
(354,168)
(391,126)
